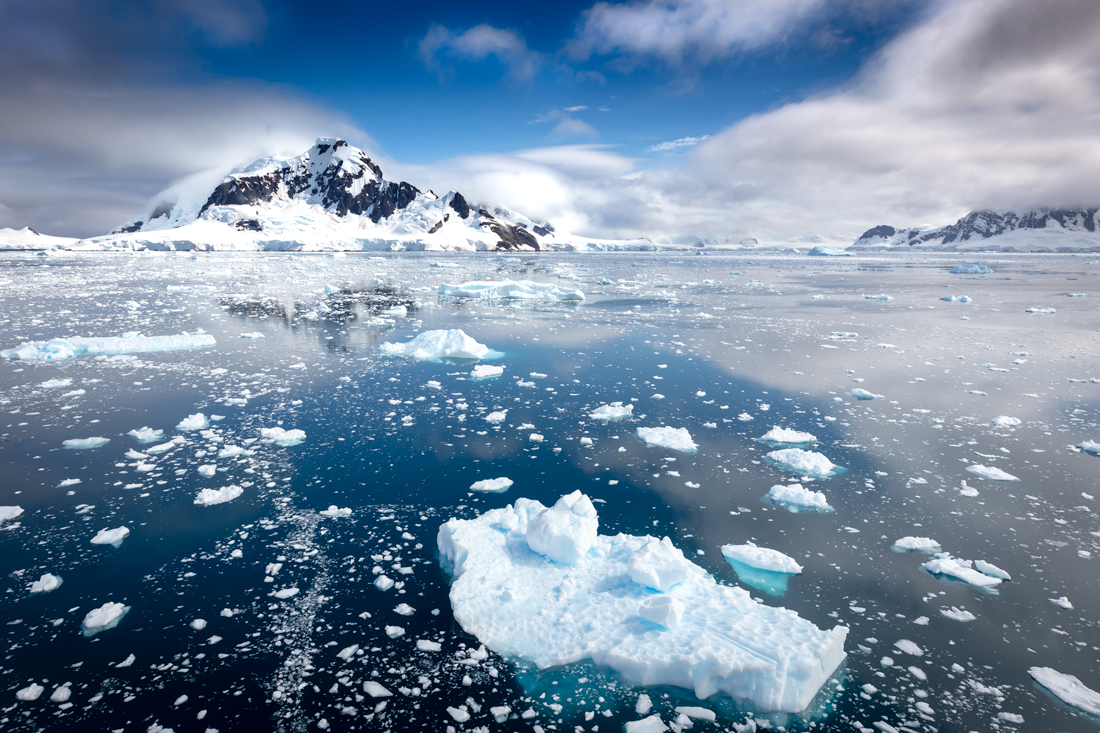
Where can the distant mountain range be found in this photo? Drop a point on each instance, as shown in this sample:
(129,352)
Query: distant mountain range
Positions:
(1036,230)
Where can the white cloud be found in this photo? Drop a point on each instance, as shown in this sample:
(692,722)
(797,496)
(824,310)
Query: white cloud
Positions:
(578,108)
(673,30)
(565,125)
(477,44)
(684,142)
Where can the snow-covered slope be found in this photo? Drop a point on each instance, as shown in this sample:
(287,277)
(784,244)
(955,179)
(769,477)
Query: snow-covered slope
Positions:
(1036,230)
(332,197)
(28,239)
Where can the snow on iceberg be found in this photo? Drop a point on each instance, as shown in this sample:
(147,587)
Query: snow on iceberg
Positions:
(60,349)
(113,537)
(803,462)
(492,485)
(784,436)
(614,411)
(1003,421)
(85,443)
(565,531)
(47,583)
(991,473)
(762,558)
(659,565)
(437,345)
(724,642)
(1068,689)
(917,544)
(677,439)
(105,617)
(282,438)
(210,497)
(510,290)
(795,498)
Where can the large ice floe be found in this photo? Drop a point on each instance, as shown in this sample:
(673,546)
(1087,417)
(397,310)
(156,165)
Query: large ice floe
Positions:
(986,575)
(762,558)
(510,290)
(614,411)
(212,497)
(785,436)
(10,512)
(105,617)
(61,349)
(438,345)
(798,499)
(803,462)
(677,439)
(990,472)
(540,584)
(1068,689)
(282,438)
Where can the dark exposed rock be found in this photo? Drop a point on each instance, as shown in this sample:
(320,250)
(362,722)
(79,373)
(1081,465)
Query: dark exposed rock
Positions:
(249,225)
(879,231)
(984,224)
(127,228)
(458,203)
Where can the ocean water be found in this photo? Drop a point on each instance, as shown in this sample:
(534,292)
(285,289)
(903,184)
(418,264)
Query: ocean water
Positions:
(725,346)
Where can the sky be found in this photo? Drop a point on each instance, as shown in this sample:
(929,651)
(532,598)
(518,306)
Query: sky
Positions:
(676,120)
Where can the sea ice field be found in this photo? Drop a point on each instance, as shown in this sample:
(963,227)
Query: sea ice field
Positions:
(555,492)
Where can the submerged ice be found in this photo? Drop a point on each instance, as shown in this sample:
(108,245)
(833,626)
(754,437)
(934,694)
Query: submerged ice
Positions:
(583,602)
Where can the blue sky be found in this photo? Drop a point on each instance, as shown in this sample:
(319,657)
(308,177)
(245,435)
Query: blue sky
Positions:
(776,120)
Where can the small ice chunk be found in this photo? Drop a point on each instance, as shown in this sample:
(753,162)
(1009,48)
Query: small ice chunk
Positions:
(348,652)
(500,713)
(428,646)
(252,335)
(111,536)
(991,570)
(663,610)
(103,618)
(198,624)
(1068,689)
(30,693)
(282,438)
(644,704)
(210,497)
(957,614)
(861,394)
(652,724)
(918,544)
(881,296)
(1003,421)
(437,345)
(61,694)
(971,268)
(207,470)
(126,662)
(659,565)
(197,421)
(10,512)
(60,349)
(795,498)
(286,593)
(394,631)
(1062,602)
(85,443)
(802,462)
(762,558)
(565,531)
(434,385)
(788,437)
(496,417)
(908,647)
(1091,447)
(492,485)
(46,583)
(536,437)
(335,512)
(404,609)
(677,439)
(486,371)
(510,290)
(614,411)
(459,714)
(697,713)
(990,472)
(146,435)
(376,690)
(383,583)
(960,570)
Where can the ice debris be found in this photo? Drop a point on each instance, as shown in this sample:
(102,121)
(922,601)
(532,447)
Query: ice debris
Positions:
(85,443)
(210,497)
(677,439)
(784,436)
(60,349)
(990,472)
(1068,689)
(492,485)
(803,462)
(796,498)
(437,345)
(282,438)
(725,641)
(103,618)
(762,558)
(1062,602)
(614,411)
(510,290)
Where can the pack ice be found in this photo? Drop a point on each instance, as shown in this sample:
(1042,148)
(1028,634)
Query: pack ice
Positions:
(436,345)
(540,584)
(677,439)
(510,290)
(60,349)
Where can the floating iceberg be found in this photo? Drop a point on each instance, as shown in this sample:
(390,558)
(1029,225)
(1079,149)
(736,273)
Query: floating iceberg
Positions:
(492,485)
(988,568)
(146,435)
(10,512)
(1003,421)
(614,411)
(803,462)
(85,443)
(521,604)
(486,371)
(783,436)
(960,570)
(971,268)
(282,438)
(991,473)
(197,421)
(437,345)
(105,617)
(957,614)
(1068,689)
(762,558)
(1091,447)
(56,383)
(30,693)
(113,537)
(510,290)
(862,394)
(48,582)
(659,565)
(877,297)
(210,497)
(677,439)
(335,512)
(917,544)
(795,498)
(60,349)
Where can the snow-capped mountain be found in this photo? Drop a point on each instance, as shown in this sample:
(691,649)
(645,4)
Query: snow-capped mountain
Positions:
(1036,230)
(332,197)
(28,239)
